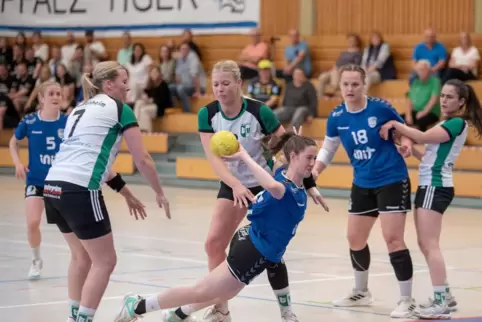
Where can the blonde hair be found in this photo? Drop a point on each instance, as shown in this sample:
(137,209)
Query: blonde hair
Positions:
(228,66)
(92,83)
(43,86)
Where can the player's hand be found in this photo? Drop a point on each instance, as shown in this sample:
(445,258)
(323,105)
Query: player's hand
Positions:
(318,198)
(236,156)
(21,171)
(405,150)
(164,203)
(136,207)
(242,196)
(421,114)
(385,130)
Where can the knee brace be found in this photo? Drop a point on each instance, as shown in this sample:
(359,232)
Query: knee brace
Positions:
(402,264)
(360,259)
(278,276)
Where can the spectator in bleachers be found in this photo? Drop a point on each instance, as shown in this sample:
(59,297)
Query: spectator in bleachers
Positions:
(167,64)
(252,54)
(154,101)
(297,55)
(187,38)
(41,49)
(17,57)
(265,88)
(76,66)
(9,117)
(464,61)
(56,59)
(171,44)
(6,54)
(125,53)
(21,40)
(68,50)
(44,76)
(138,69)
(352,55)
(190,77)
(377,61)
(431,50)
(22,87)
(423,104)
(300,103)
(33,63)
(94,50)
(68,85)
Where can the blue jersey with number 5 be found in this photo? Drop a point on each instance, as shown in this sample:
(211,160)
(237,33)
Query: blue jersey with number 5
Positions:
(376,161)
(44,138)
(274,222)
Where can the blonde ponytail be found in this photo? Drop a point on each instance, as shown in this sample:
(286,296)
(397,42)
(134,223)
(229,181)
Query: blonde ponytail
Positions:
(89,90)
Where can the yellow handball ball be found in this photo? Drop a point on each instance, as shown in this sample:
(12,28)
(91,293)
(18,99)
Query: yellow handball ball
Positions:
(224,143)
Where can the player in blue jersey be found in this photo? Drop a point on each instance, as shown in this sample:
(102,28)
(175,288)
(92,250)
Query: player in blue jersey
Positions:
(274,218)
(44,130)
(380,188)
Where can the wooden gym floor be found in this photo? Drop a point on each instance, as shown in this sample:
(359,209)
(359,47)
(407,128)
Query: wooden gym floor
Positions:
(157,254)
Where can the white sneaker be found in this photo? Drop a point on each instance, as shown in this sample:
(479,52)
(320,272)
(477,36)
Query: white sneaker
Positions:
(404,309)
(288,316)
(35,269)
(433,312)
(450,302)
(355,298)
(170,316)
(213,315)
(127,312)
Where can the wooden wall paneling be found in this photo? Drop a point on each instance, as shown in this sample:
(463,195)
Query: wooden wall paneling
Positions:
(279,16)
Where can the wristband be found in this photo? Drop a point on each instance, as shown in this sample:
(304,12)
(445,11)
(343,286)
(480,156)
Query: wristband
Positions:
(309,182)
(116,183)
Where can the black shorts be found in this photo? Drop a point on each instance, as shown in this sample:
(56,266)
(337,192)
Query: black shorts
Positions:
(226,192)
(244,261)
(394,197)
(76,209)
(34,191)
(434,198)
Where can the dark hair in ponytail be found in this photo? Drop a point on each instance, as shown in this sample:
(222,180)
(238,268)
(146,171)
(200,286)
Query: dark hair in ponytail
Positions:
(290,142)
(473,111)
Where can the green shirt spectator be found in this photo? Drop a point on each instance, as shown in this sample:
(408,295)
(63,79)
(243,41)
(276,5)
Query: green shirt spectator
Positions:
(422,91)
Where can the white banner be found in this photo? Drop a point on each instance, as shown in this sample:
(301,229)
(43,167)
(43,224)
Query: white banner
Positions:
(140,17)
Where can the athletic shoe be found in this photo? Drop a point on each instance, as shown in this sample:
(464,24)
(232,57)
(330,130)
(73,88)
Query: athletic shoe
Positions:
(450,302)
(213,315)
(355,298)
(288,316)
(170,316)
(404,308)
(127,312)
(35,269)
(434,312)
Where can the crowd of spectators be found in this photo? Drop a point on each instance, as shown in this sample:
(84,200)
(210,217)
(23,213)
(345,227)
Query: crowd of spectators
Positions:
(177,73)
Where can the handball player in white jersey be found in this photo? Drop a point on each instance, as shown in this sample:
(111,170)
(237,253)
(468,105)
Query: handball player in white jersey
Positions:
(250,121)
(443,145)
(72,191)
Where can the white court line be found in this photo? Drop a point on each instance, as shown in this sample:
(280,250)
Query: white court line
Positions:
(336,278)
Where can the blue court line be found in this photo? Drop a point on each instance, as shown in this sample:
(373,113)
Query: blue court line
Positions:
(207,25)
(113,274)
(261,299)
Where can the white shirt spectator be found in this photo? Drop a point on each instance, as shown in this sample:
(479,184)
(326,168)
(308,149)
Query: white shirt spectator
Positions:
(68,52)
(467,58)
(138,75)
(97,46)
(42,52)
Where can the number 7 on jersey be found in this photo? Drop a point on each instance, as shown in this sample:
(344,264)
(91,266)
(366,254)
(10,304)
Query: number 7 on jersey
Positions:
(79,113)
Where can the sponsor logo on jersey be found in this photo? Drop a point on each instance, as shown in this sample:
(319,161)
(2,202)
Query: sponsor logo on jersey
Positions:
(363,154)
(36,132)
(30,121)
(337,113)
(47,159)
(60,133)
(244,130)
(372,122)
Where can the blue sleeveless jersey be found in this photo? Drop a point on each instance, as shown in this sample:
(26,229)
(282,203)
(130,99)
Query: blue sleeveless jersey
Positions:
(274,222)
(44,138)
(376,161)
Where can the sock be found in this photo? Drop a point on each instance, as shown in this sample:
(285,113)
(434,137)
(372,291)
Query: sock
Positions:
(284,298)
(36,253)
(184,311)
(73,309)
(360,260)
(447,290)
(147,305)
(222,307)
(402,265)
(439,294)
(85,314)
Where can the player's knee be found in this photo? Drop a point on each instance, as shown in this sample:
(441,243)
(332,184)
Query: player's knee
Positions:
(356,240)
(427,245)
(402,264)
(81,261)
(278,276)
(107,263)
(360,259)
(215,246)
(394,241)
(33,224)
